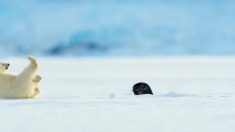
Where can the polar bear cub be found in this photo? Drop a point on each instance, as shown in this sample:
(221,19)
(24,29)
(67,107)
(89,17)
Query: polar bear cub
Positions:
(23,85)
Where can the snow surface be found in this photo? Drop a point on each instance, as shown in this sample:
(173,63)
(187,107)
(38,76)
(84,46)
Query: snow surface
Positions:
(191,94)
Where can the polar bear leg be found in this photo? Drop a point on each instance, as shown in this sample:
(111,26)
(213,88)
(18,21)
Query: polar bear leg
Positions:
(28,73)
(24,81)
(33,62)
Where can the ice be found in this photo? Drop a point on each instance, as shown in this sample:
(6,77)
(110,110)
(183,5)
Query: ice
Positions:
(191,94)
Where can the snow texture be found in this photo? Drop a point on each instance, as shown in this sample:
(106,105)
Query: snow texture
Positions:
(191,94)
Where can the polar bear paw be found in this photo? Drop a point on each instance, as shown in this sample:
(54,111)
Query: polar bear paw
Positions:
(37,79)
(37,91)
(33,62)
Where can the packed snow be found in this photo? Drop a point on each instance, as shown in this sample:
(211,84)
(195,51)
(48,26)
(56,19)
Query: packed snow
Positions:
(191,94)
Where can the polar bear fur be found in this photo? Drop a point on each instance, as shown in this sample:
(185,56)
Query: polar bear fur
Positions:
(23,85)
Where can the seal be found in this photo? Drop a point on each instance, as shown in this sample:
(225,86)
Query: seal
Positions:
(142,88)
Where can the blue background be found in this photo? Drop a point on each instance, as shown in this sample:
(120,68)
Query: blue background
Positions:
(117,27)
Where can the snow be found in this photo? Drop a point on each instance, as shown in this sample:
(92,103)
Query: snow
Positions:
(191,94)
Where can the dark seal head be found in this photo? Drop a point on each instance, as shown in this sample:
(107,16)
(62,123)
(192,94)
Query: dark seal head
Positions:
(142,88)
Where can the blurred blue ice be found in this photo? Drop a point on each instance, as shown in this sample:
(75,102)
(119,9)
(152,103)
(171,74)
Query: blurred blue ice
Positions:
(117,27)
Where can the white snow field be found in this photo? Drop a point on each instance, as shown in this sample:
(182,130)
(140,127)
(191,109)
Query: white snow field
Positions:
(191,94)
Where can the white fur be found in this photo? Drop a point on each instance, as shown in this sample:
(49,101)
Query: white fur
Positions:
(23,85)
